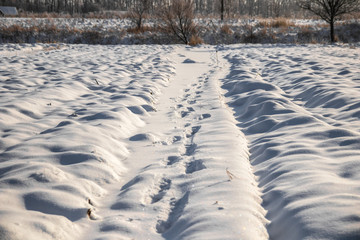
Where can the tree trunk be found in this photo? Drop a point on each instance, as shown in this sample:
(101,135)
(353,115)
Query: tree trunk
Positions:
(139,22)
(222,10)
(332,31)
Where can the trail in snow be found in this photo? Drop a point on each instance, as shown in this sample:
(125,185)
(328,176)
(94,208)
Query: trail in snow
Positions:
(177,186)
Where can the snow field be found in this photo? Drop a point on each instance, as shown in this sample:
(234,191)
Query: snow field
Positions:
(176,142)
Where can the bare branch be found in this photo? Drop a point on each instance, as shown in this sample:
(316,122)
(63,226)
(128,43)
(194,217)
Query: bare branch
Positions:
(179,19)
(330,10)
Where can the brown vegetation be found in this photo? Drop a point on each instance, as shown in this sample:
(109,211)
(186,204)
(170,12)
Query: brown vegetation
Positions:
(195,40)
(276,23)
(225,29)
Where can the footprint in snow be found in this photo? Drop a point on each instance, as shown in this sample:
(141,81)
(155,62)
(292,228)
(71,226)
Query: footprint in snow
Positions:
(161,189)
(173,159)
(194,166)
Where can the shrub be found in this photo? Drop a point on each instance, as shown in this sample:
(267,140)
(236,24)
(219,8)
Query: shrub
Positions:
(250,36)
(281,23)
(349,32)
(225,29)
(179,18)
(263,23)
(195,40)
(306,35)
(275,23)
(142,29)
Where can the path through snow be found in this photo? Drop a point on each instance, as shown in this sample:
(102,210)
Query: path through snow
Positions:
(178,186)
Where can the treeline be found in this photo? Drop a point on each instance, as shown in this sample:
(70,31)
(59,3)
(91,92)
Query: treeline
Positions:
(225,8)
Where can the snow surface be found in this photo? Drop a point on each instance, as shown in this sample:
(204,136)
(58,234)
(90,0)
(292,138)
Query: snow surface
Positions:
(176,142)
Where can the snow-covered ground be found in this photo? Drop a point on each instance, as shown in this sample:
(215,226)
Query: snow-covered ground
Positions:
(175,142)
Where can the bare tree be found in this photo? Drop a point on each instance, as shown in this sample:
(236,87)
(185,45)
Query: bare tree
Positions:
(139,11)
(330,10)
(179,18)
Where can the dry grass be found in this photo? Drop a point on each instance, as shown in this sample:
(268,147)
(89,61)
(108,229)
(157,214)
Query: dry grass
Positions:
(230,175)
(225,29)
(88,212)
(52,48)
(275,23)
(195,40)
(44,15)
(282,23)
(264,23)
(50,33)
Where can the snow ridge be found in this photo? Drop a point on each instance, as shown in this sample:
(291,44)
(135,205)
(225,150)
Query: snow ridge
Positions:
(300,116)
